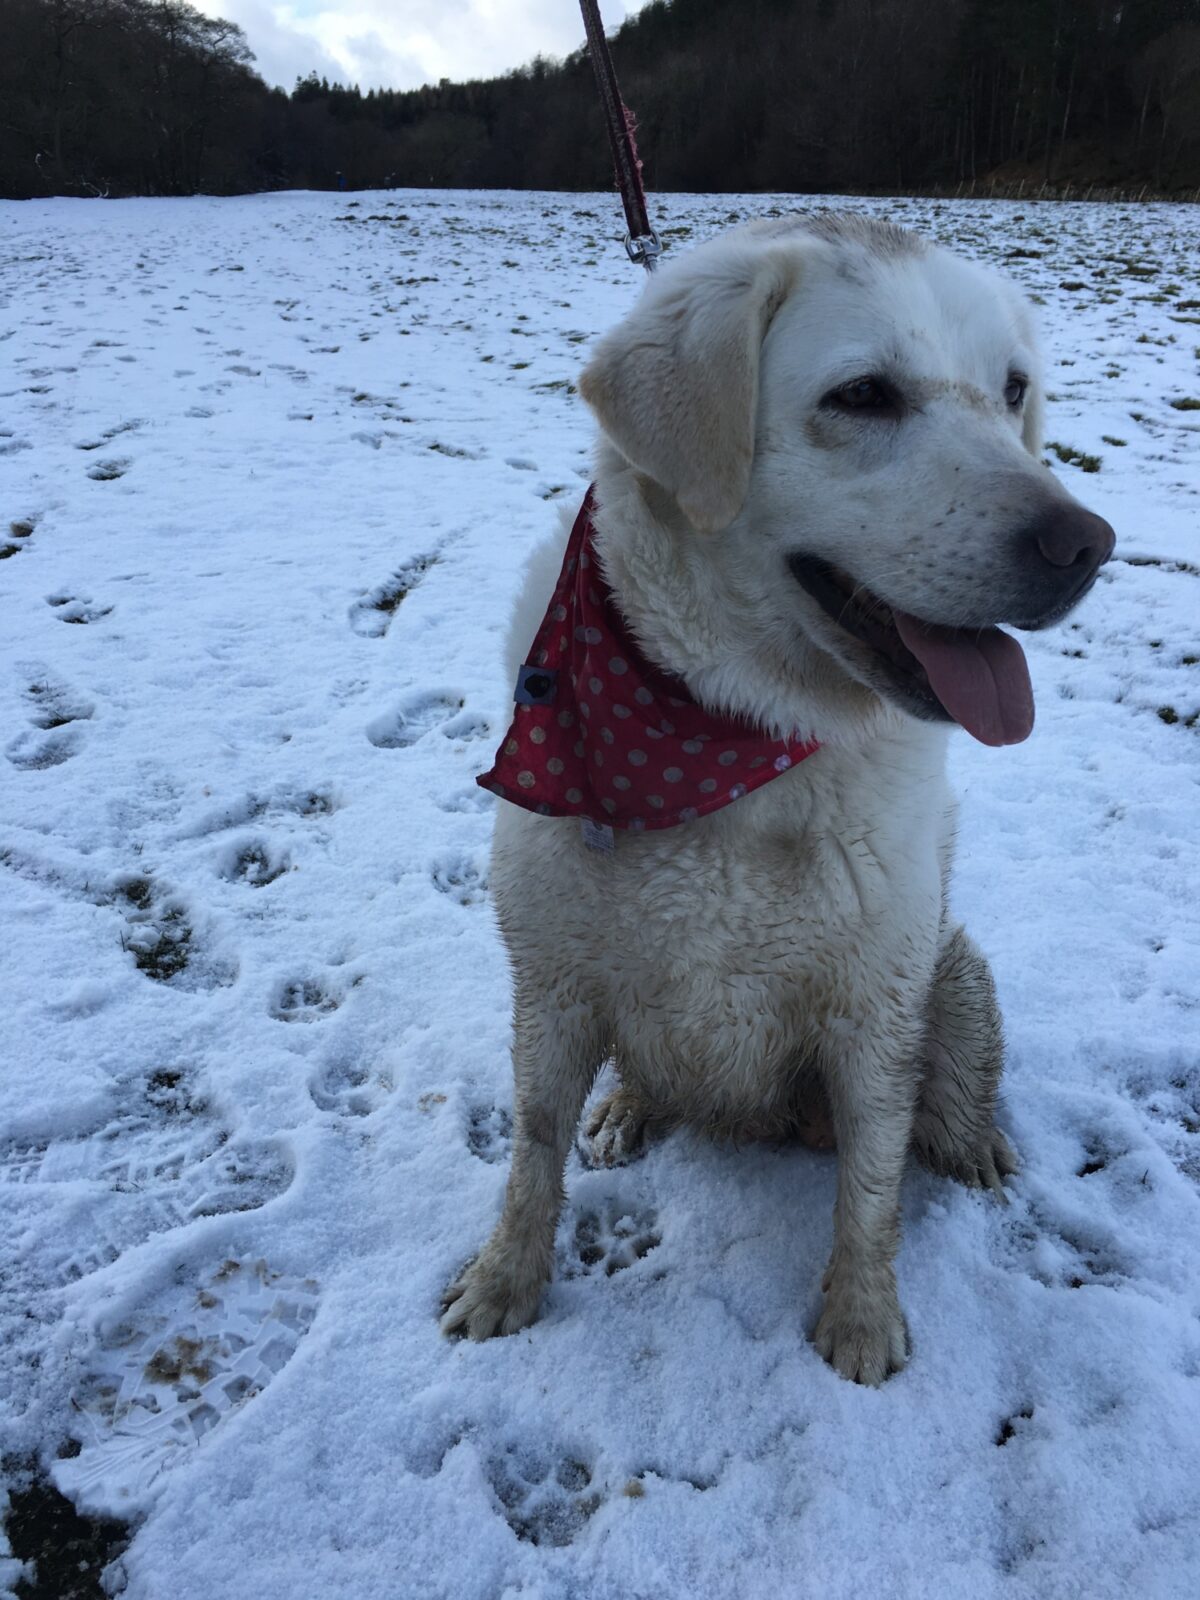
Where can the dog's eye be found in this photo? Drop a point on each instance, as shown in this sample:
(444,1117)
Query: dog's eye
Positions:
(1014,389)
(863,394)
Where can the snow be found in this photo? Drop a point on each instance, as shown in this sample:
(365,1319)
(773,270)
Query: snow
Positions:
(273,465)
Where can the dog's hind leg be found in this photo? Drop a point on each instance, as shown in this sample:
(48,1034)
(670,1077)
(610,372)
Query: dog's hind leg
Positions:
(954,1132)
(618,1126)
(559,1044)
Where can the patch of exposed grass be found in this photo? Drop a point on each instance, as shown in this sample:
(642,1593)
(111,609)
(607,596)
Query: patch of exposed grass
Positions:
(1186,404)
(1071,457)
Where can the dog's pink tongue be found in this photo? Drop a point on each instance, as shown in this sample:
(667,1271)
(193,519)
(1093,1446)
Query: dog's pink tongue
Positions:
(979,676)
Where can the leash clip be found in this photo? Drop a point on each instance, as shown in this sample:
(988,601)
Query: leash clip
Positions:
(645,250)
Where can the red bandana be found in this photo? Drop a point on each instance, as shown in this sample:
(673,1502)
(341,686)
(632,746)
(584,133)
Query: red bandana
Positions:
(602,733)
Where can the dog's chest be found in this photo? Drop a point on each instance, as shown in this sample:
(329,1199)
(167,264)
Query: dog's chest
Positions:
(722,952)
(747,956)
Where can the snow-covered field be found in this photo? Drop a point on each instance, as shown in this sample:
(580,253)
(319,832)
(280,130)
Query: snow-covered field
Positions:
(271,466)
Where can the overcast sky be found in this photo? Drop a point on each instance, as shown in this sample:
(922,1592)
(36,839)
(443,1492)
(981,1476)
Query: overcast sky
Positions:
(400,44)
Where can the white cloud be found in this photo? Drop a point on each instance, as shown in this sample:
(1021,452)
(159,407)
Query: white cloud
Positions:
(377,44)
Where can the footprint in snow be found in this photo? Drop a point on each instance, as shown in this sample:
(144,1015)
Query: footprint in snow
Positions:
(160,1160)
(254,861)
(18,532)
(1063,1253)
(371,615)
(76,608)
(489,1133)
(348,1089)
(54,712)
(162,935)
(111,433)
(461,879)
(467,802)
(412,720)
(305,1000)
(609,1239)
(544,1501)
(107,471)
(156,1386)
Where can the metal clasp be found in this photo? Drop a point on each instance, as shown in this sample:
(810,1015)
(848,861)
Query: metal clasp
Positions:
(645,250)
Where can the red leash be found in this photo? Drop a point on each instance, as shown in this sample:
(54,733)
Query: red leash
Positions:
(641,242)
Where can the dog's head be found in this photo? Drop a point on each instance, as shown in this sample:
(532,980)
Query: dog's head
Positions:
(848,421)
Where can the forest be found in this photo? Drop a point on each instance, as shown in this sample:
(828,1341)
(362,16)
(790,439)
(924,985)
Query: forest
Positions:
(150,97)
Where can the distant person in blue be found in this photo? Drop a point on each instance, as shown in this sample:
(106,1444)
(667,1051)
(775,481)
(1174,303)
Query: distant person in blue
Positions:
(341,180)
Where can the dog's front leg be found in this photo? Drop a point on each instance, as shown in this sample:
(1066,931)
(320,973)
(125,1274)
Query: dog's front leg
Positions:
(558,1047)
(872,1089)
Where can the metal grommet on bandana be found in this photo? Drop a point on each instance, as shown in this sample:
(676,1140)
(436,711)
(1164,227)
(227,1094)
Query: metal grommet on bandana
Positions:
(601,733)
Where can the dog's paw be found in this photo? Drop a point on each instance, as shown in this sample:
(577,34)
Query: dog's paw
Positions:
(983,1165)
(496,1294)
(863,1338)
(616,1130)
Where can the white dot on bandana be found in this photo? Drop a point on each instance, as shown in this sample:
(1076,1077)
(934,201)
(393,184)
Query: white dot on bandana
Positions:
(537,735)
(636,824)
(593,597)
(760,761)
(643,697)
(727,757)
(688,814)
(667,727)
(598,757)
(591,636)
(573,797)
(585,710)
(609,805)
(692,747)
(554,766)
(565,718)
(655,800)
(525,779)
(607,735)
(541,657)
(621,782)
(510,749)
(578,747)
(673,774)
(737,791)
(782,763)
(637,758)
(595,685)
(707,785)
(621,711)
(653,733)
(560,613)
(618,666)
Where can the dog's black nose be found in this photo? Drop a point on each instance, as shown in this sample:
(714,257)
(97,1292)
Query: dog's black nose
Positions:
(1069,536)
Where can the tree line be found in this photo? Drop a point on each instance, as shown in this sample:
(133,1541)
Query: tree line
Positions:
(152,97)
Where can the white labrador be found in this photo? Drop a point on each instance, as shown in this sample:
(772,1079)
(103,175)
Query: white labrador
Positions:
(818,492)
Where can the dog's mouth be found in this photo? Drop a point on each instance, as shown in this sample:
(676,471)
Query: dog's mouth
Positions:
(976,677)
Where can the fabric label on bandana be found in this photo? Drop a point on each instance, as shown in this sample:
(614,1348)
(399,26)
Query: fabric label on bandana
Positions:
(600,732)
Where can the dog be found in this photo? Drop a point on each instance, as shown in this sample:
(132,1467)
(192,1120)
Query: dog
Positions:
(818,493)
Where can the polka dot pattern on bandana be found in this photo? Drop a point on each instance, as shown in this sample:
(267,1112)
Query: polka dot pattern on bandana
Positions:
(636,751)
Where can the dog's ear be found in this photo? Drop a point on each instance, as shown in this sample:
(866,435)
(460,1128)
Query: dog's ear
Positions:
(675,386)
